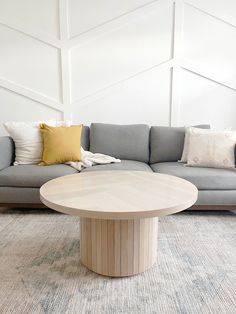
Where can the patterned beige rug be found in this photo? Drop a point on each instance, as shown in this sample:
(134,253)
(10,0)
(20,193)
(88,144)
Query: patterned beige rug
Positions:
(40,271)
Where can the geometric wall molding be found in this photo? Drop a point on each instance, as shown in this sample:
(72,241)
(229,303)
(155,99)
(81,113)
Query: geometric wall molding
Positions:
(22,108)
(118,53)
(224,10)
(210,47)
(95,65)
(30,63)
(87,15)
(32,16)
(31,94)
(119,108)
(131,16)
(194,68)
(45,38)
(165,65)
(217,105)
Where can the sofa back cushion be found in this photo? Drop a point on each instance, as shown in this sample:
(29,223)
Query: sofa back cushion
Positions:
(85,138)
(166,143)
(120,141)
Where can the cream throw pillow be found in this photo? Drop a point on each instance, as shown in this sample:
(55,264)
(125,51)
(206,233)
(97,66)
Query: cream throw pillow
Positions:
(28,140)
(186,142)
(208,148)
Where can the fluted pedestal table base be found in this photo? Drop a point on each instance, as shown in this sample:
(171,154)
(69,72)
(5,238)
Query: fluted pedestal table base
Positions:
(118,248)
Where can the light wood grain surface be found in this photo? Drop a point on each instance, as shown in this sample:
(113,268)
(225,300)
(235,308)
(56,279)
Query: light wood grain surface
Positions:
(118,248)
(118,194)
(118,209)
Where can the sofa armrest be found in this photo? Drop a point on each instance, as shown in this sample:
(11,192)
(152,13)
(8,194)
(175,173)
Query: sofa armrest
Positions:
(7,152)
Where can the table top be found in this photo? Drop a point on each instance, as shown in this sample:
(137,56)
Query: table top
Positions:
(118,194)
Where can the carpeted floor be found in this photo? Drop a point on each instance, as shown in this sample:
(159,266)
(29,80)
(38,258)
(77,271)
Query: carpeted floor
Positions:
(40,271)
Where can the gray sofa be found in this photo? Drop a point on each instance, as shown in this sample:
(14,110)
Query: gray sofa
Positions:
(140,148)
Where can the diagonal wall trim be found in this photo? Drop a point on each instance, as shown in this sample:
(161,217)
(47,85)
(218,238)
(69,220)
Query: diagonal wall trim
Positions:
(115,18)
(116,23)
(106,91)
(211,15)
(194,68)
(163,65)
(46,39)
(29,93)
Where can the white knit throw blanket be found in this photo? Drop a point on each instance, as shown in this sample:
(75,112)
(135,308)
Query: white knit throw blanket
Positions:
(89,159)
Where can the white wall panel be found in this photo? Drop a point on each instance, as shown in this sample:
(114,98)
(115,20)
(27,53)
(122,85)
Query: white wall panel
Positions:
(222,9)
(33,15)
(142,99)
(110,61)
(133,47)
(14,107)
(204,101)
(210,45)
(85,15)
(29,62)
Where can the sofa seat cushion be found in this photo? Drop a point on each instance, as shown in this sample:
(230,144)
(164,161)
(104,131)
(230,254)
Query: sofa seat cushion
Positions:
(123,165)
(32,175)
(203,178)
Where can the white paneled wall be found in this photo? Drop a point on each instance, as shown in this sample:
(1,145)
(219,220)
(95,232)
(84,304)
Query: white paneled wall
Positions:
(165,62)
(121,52)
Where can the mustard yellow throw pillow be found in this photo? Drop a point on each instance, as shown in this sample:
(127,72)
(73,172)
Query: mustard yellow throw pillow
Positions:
(60,144)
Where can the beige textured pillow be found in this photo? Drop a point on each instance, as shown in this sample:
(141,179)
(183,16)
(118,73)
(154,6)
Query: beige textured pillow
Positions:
(208,148)
(186,140)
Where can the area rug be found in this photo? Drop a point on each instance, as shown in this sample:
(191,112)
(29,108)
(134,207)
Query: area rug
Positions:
(40,270)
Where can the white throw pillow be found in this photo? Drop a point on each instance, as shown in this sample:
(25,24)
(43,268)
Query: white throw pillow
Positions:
(28,140)
(208,148)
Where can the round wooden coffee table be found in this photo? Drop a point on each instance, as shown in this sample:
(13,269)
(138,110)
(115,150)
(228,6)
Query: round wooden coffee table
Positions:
(119,213)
